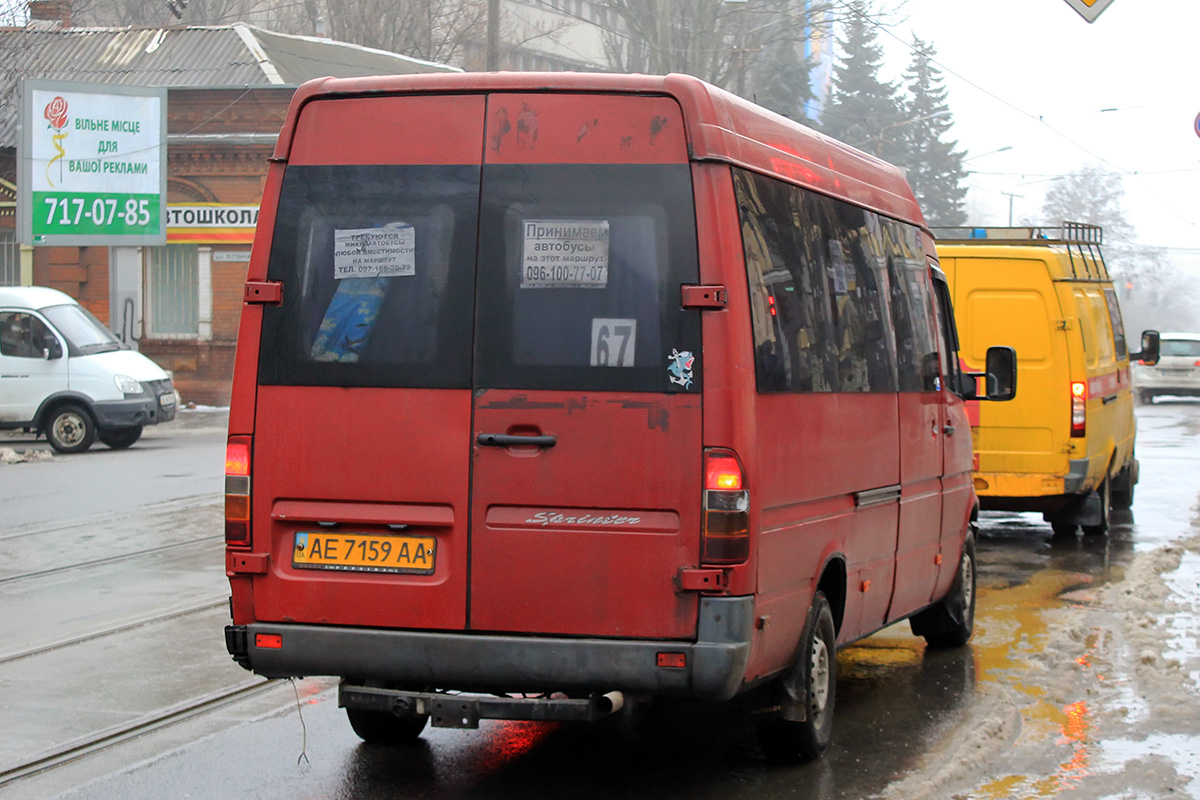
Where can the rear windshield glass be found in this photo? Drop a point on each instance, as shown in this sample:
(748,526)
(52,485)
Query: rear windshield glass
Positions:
(1180,347)
(377,270)
(580,269)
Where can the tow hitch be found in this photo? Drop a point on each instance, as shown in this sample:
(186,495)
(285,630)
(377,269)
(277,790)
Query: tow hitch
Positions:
(465,710)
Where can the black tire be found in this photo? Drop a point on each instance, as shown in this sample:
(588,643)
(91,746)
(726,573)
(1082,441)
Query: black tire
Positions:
(1122,499)
(70,428)
(380,727)
(1105,492)
(784,740)
(120,438)
(951,621)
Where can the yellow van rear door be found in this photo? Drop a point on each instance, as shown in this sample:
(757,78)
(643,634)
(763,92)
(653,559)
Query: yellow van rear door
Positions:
(1013,302)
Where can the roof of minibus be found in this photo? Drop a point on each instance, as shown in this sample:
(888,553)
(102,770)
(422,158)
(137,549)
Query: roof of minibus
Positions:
(720,127)
(35,297)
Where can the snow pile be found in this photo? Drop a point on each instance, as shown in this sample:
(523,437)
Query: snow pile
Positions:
(11,456)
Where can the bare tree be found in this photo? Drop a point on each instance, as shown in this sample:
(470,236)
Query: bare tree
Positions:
(432,30)
(1154,292)
(1091,194)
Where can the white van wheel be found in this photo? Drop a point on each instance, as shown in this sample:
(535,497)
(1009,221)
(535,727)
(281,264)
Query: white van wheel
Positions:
(70,429)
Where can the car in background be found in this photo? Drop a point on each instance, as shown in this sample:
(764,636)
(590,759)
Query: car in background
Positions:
(65,375)
(1177,371)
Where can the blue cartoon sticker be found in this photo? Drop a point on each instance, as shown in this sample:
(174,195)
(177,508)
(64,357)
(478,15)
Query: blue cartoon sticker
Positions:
(680,366)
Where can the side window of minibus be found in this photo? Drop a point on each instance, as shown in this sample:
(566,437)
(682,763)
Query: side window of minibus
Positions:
(21,334)
(1118,325)
(817,290)
(948,335)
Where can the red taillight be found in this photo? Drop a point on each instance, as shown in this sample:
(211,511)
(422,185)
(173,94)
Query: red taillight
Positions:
(725,538)
(237,491)
(237,456)
(722,472)
(1078,409)
(771,304)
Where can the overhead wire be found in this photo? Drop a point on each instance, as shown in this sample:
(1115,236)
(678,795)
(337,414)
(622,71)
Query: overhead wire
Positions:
(1038,118)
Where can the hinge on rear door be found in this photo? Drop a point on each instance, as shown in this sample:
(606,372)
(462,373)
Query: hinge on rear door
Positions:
(701,579)
(704,296)
(263,292)
(1062,325)
(246,563)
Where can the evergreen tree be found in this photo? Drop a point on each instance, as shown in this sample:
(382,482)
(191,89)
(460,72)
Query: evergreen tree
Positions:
(781,81)
(934,165)
(863,111)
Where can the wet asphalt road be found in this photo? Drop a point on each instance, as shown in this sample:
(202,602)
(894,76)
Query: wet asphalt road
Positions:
(1023,694)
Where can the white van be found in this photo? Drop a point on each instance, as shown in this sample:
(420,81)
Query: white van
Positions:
(64,374)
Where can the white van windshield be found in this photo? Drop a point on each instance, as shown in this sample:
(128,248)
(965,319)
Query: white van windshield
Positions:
(83,332)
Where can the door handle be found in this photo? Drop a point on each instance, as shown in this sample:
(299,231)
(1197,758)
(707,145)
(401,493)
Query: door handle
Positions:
(508,440)
(948,430)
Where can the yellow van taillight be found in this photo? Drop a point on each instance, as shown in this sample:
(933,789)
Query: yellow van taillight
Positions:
(725,538)
(237,491)
(1078,409)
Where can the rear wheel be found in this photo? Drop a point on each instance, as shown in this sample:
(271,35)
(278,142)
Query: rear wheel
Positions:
(1105,492)
(951,621)
(1122,497)
(788,740)
(381,727)
(120,438)
(70,429)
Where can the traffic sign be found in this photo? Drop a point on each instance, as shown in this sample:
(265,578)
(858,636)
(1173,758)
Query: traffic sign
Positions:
(1089,9)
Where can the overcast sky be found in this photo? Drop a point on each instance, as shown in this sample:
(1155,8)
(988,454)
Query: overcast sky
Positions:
(1035,76)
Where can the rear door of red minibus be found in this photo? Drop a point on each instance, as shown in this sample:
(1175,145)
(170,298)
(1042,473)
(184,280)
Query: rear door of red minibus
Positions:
(479,400)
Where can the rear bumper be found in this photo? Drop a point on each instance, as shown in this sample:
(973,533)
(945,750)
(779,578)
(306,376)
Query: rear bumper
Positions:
(996,486)
(714,664)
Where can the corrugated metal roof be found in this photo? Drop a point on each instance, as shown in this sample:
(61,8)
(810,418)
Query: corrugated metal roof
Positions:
(219,56)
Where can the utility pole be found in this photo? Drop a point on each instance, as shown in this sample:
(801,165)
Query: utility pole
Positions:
(1011,195)
(493,36)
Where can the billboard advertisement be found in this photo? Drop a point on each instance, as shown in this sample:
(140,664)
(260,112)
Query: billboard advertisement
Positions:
(92,164)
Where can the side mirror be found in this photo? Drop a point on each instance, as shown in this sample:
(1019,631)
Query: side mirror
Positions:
(1001,373)
(51,348)
(1151,342)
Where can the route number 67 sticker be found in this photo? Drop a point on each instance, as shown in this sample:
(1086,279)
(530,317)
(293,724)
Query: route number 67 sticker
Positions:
(613,342)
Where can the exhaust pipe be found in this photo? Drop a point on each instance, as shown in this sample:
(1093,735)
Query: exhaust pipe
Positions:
(610,703)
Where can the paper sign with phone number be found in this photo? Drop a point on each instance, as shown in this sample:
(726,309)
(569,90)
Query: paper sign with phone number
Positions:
(560,253)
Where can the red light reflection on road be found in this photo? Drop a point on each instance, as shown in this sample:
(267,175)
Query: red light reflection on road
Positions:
(512,740)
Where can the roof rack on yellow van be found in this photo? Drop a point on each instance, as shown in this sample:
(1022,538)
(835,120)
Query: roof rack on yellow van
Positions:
(1081,240)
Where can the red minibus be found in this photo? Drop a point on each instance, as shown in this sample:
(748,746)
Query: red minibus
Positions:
(556,392)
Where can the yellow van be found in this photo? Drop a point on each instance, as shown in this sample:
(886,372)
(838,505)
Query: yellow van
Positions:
(1065,445)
